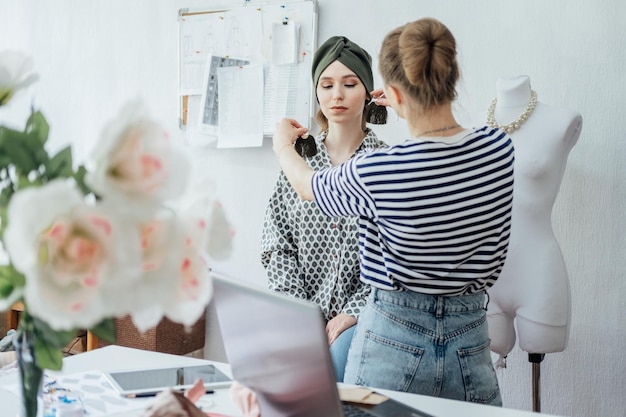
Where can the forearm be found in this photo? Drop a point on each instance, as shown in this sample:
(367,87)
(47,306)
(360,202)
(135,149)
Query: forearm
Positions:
(295,168)
(297,172)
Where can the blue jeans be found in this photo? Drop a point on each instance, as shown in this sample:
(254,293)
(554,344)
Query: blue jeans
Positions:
(339,351)
(423,344)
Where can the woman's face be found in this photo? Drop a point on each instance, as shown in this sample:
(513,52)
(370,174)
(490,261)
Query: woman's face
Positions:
(341,94)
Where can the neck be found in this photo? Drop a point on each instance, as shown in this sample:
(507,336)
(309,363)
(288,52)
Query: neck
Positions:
(513,92)
(436,122)
(343,140)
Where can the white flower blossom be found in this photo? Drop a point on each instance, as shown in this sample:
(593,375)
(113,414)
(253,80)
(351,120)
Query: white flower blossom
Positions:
(68,253)
(135,163)
(162,245)
(176,282)
(207,223)
(123,249)
(15,74)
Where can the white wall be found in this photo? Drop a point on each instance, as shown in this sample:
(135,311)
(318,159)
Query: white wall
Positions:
(93,55)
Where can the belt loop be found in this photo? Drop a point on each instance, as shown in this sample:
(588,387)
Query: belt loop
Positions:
(488,299)
(440,306)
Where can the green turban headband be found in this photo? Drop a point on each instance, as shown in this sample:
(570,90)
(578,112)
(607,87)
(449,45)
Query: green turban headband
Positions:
(342,49)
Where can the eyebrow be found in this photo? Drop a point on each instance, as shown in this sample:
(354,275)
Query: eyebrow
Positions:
(342,77)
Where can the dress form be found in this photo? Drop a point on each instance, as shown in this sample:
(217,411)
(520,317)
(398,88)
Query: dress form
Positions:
(533,288)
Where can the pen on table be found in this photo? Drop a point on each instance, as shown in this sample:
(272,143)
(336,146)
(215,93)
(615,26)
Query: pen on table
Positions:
(153,394)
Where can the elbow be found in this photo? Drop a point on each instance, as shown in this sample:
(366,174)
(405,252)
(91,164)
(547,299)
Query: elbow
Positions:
(305,193)
(304,186)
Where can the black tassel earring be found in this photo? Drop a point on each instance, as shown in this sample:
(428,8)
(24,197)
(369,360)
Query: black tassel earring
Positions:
(376,114)
(305,146)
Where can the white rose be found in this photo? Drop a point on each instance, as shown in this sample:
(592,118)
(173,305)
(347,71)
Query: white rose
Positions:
(176,281)
(15,74)
(135,163)
(209,227)
(68,253)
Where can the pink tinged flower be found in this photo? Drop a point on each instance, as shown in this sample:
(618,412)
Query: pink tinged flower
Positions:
(74,251)
(194,291)
(162,249)
(27,221)
(155,239)
(68,253)
(15,74)
(180,288)
(209,227)
(189,278)
(135,161)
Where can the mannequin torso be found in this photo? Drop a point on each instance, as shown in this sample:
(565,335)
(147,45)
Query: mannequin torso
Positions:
(533,287)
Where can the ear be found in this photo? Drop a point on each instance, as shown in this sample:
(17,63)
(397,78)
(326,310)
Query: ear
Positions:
(393,95)
(395,99)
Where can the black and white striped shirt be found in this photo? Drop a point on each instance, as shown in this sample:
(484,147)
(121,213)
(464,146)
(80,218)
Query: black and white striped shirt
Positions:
(434,217)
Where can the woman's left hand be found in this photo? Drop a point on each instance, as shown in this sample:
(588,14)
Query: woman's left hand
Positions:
(286,133)
(337,325)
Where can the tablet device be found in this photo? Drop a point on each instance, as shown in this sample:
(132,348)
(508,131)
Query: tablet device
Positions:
(149,382)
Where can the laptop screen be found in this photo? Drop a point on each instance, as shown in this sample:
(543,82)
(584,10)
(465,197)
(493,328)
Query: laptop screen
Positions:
(277,346)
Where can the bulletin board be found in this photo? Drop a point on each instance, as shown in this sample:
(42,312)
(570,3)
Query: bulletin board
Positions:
(242,68)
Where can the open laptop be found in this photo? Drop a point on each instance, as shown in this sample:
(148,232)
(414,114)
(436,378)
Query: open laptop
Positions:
(277,346)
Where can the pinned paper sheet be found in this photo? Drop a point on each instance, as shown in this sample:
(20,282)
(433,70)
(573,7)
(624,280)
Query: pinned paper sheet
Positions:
(284,43)
(240,106)
(361,395)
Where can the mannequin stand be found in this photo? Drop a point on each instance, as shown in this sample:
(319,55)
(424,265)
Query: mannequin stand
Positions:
(535,359)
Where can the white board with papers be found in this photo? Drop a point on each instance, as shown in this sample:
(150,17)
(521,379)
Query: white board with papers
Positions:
(243,68)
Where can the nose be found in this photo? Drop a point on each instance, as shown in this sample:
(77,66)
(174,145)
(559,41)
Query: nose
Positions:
(337,93)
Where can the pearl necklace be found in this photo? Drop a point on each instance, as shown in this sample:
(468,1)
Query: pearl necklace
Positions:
(515,124)
(443,129)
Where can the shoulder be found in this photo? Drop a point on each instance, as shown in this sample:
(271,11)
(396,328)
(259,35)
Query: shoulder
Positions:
(567,121)
(371,140)
(553,123)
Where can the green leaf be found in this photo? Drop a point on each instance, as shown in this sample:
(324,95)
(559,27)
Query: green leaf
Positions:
(36,149)
(105,330)
(3,217)
(47,356)
(60,165)
(6,287)
(57,339)
(10,279)
(38,126)
(15,148)
(79,176)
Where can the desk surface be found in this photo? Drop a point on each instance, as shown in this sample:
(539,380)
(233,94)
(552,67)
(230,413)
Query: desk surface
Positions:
(117,358)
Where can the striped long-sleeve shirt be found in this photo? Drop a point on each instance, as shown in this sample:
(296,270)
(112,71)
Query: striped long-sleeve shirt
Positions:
(434,217)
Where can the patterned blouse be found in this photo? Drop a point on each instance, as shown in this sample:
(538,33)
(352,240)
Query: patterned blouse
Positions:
(309,255)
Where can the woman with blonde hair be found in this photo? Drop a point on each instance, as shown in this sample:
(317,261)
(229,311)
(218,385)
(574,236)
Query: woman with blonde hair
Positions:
(434,220)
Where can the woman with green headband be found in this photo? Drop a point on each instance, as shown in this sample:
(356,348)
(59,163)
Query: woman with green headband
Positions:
(434,224)
(307,254)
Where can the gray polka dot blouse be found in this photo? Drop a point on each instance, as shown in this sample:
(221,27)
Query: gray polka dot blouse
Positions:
(309,255)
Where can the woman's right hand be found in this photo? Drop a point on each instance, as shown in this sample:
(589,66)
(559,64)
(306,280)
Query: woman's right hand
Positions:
(286,133)
(378,97)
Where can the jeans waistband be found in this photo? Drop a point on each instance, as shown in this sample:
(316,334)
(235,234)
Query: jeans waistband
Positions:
(431,303)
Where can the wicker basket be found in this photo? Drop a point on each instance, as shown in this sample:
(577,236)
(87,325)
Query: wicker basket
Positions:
(166,337)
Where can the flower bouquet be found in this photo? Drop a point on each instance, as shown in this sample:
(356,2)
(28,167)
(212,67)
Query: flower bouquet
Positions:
(102,240)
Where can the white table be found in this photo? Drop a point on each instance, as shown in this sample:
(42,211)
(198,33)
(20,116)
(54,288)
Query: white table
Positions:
(117,358)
